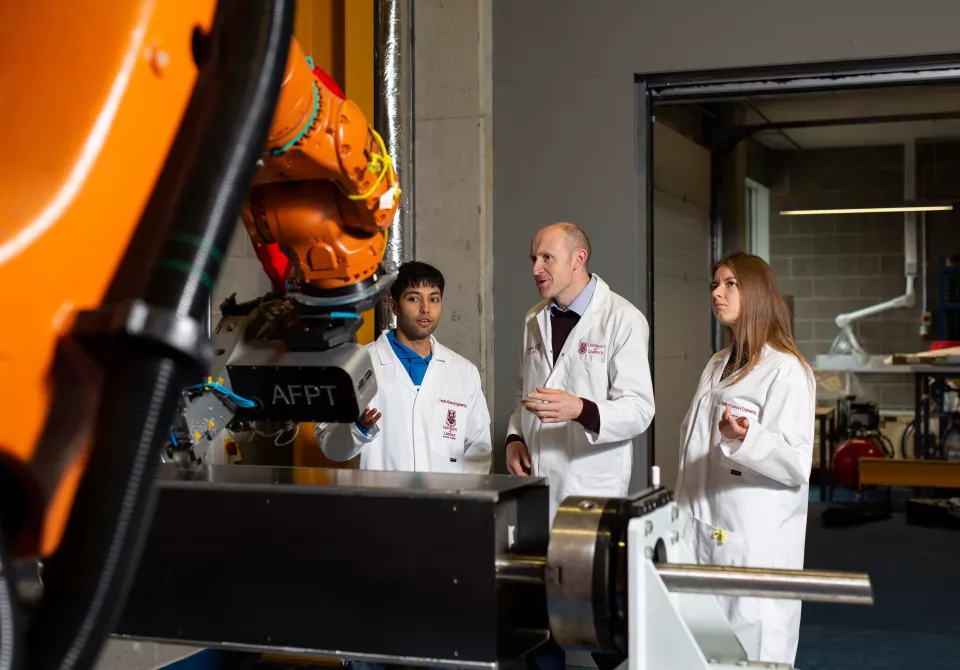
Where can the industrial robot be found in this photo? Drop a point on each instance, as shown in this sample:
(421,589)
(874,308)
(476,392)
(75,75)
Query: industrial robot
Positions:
(142,132)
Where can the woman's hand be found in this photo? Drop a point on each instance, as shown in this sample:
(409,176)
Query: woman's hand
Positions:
(733,428)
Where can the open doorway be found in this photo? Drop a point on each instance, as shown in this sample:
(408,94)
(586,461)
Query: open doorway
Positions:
(813,173)
(742,172)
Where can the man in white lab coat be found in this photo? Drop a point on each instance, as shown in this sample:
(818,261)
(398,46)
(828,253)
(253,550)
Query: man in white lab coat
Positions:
(429,413)
(584,390)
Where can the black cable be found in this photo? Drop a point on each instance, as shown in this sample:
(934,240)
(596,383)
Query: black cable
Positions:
(11,649)
(886,444)
(85,579)
(907,432)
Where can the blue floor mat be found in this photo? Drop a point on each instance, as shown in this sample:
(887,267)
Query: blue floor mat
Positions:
(915,621)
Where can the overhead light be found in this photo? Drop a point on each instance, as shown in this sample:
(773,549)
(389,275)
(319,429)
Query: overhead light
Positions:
(907,207)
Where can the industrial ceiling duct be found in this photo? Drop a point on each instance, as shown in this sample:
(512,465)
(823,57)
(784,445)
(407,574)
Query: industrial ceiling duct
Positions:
(393,119)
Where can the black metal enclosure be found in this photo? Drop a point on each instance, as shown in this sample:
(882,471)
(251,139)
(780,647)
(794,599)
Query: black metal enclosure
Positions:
(357,564)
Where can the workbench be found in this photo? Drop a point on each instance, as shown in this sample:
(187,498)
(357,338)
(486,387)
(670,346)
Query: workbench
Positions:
(922,376)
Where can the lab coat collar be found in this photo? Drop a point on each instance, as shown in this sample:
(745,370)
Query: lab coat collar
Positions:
(718,365)
(601,295)
(387,356)
(721,363)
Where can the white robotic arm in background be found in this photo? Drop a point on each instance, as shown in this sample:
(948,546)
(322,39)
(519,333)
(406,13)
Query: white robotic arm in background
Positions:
(846,342)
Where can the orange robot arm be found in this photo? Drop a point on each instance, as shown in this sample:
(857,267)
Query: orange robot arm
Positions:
(326,189)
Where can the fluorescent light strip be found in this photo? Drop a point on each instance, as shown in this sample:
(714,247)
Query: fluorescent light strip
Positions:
(868,210)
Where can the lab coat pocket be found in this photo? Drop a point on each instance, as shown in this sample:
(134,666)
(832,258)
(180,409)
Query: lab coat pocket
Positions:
(446,458)
(711,545)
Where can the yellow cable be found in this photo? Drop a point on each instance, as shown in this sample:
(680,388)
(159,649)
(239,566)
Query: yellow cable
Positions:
(381,163)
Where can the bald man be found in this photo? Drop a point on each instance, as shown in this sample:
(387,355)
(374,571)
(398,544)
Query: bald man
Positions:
(584,389)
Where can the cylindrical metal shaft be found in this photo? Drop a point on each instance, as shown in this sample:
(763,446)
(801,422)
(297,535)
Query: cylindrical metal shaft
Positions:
(525,569)
(809,585)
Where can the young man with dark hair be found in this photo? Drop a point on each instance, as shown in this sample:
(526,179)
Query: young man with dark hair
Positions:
(429,413)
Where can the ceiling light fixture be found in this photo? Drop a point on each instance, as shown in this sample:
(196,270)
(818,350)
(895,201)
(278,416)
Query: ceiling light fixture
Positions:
(906,207)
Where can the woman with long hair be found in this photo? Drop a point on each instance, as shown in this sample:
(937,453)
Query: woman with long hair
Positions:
(747,451)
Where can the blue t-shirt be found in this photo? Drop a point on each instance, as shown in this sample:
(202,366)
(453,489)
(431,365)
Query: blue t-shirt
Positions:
(413,363)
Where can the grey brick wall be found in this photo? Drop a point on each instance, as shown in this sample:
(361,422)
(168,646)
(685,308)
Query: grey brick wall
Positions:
(837,264)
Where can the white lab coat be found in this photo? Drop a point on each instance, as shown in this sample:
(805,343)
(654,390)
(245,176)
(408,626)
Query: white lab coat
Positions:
(604,359)
(745,503)
(443,428)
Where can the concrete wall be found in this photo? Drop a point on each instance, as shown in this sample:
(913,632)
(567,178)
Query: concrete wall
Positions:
(453,159)
(681,238)
(569,39)
(565,120)
(554,160)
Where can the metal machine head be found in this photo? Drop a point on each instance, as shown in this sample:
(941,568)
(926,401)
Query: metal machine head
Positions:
(293,363)
(334,385)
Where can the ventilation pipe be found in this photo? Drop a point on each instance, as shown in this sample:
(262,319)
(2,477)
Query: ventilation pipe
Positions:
(846,342)
(393,118)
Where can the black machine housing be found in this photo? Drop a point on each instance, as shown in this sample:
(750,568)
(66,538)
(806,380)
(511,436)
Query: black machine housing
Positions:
(297,363)
(380,566)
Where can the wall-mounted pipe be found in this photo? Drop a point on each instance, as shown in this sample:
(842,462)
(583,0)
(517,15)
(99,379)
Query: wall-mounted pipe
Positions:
(393,119)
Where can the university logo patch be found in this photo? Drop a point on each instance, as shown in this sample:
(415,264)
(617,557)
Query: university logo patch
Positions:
(592,349)
(451,418)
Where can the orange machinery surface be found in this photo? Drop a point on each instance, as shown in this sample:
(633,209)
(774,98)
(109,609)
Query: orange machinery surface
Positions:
(91,134)
(326,190)
(325,171)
